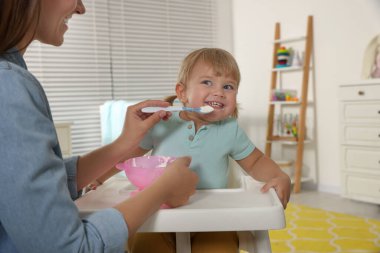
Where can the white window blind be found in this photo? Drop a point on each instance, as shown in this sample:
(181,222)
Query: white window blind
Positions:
(150,38)
(120,49)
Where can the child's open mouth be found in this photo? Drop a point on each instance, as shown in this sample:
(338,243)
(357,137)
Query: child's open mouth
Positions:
(215,105)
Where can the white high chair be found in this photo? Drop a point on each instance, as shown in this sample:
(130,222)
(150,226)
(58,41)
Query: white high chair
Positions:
(244,209)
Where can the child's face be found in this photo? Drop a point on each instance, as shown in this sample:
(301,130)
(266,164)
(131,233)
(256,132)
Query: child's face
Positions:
(205,87)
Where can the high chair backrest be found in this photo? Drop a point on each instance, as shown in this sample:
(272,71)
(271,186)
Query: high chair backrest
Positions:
(112,116)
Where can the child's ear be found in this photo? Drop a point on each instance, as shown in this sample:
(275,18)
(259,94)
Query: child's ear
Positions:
(180,90)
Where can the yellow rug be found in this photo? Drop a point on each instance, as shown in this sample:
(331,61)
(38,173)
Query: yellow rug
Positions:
(312,230)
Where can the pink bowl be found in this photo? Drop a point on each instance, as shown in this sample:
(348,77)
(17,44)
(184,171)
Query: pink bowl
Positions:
(142,171)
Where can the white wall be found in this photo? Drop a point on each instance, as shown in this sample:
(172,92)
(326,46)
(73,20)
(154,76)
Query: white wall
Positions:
(342,30)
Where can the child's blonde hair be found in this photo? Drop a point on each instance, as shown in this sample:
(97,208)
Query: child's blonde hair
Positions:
(222,62)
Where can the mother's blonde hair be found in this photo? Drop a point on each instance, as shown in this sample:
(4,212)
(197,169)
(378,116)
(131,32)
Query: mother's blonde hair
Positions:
(222,62)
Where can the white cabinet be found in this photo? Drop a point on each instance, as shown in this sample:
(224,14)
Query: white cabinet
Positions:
(360,140)
(64,137)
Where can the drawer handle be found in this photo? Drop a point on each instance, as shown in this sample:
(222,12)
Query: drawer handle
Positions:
(361,93)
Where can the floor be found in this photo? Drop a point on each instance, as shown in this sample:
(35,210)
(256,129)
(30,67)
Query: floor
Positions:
(333,202)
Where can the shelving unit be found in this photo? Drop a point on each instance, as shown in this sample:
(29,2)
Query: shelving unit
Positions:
(305,69)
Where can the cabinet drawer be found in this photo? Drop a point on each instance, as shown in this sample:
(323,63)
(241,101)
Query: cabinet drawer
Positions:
(361,112)
(360,92)
(363,186)
(362,135)
(362,158)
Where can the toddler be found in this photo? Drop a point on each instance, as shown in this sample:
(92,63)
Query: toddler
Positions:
(208,76)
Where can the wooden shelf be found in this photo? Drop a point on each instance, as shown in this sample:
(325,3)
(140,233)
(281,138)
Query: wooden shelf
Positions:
(289,40)
(303,179)
(282,138)
(295,142)
(276,80)
(288,69)
(289,142)
(285,102)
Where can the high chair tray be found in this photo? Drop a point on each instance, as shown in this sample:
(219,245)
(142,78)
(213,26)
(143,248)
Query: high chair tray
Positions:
(238,209)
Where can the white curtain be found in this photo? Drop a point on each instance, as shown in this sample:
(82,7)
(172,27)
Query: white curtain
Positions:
(120,49)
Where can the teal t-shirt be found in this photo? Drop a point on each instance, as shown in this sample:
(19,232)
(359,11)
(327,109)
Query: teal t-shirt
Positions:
(209,148)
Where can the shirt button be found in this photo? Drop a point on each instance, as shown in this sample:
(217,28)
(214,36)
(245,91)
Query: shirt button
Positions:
(190,126)
(191,138)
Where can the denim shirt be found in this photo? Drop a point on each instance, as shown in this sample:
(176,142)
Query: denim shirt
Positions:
(37,186)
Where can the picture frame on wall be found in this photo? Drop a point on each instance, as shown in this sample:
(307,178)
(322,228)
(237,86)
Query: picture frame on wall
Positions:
(371,61)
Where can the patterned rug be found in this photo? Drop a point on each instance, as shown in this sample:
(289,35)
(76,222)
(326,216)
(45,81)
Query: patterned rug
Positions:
(311,230)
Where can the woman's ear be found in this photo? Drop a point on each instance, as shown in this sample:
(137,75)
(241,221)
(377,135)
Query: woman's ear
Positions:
(180,90)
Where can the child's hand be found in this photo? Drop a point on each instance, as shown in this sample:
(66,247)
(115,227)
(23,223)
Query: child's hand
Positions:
(281,185)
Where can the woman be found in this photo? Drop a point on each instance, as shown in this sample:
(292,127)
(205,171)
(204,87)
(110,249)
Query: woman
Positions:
(37,212)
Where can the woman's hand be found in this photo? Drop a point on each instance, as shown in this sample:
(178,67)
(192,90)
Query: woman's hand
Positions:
(98,162)
(137,123)
(174,188)
(179,181)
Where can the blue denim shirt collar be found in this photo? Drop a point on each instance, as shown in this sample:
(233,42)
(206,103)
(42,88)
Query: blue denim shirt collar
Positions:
(13,55)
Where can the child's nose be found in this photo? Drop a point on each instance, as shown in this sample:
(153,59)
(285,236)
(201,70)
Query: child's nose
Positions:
(219,92)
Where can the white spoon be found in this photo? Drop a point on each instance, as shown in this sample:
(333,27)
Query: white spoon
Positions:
(202,109)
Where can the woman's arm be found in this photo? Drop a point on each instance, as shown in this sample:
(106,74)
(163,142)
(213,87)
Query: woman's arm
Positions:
(174,188)
(137,124)
(36,209)
(264,169)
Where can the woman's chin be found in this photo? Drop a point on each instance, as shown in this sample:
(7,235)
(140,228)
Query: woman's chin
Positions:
(58,41)
(54,42)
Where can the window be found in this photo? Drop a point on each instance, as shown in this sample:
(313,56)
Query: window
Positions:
(120,49)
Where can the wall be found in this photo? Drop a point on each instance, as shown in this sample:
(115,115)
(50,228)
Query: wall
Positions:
(342,30)
(223,18)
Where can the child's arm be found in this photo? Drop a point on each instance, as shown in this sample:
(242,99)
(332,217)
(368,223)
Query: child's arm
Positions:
(264,169)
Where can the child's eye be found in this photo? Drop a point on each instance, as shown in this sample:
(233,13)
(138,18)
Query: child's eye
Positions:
(207,82)
(229,87)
